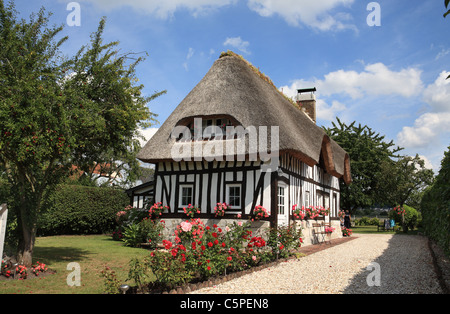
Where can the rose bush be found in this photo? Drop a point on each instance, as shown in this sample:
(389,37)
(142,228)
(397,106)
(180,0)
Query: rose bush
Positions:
(202,251)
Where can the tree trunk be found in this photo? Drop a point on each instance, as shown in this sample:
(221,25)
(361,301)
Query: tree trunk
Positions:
(26,245)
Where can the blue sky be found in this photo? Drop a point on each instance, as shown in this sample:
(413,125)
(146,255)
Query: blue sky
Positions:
(390,77)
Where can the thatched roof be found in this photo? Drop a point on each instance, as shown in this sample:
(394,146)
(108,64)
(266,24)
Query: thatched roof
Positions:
(235,89)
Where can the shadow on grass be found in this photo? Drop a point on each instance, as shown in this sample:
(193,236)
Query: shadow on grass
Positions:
(54,255)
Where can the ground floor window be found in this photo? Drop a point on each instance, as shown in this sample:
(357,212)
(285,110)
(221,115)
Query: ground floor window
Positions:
(233,197)
(186,195)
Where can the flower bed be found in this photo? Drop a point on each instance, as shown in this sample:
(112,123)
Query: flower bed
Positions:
(21,272)
(200,252)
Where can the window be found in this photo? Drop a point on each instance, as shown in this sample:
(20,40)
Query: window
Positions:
(186,194)
(307,199)
(207,129)
(319,199)
(234,196)
(281,200)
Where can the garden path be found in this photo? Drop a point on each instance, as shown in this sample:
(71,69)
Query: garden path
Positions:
(405,265)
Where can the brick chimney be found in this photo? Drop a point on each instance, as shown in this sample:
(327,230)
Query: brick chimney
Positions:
(306,100)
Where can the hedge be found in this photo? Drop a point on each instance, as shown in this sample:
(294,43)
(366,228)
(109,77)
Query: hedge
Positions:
(77,210)
(435,207)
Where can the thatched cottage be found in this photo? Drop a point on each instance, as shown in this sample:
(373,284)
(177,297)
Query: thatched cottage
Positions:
(236,139)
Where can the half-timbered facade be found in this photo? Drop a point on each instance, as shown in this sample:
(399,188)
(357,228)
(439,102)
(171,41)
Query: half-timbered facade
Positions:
(205,153)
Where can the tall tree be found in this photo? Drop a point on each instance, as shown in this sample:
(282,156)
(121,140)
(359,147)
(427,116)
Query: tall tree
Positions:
(367,150)
(55,112)
(402,179)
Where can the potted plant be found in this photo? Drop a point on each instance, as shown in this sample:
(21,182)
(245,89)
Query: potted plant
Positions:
(297,212)
(260,212)
(347,232)
(156,210)
(220,209)
(190,211)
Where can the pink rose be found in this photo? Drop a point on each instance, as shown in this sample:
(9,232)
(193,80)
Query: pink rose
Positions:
(186,226)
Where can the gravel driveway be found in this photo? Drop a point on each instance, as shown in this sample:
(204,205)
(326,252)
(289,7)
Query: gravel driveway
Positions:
(405,265)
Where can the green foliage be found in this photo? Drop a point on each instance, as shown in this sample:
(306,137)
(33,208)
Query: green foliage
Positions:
(81,210)
(140,274)
(146,231)
(446,6)
(366,221)
(403,180)
(284,239)
(56,112)
(409,220)
(201,252)
(111,283)
(435,206)
(169,271)
(367,150)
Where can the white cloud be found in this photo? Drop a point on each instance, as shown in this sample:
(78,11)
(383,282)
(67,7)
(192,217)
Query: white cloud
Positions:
(426,131)
(163,9)
(329,113)
(238,43)
(376,80)
(314,14)
(189,56)
(428,163)
(148,134)
(437,95)
(431,127)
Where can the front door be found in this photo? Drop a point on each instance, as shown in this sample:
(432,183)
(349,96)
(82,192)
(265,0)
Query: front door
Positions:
(283,209)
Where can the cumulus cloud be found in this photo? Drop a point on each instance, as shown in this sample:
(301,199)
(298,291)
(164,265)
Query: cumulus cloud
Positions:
(426,131)
(430,127)
(327,112)
(314,14)
(163,9)
(147,134)
(437,95)
(238,43)
(376,80)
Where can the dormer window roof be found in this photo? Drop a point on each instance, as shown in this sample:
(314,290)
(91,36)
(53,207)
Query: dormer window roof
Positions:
(207,129)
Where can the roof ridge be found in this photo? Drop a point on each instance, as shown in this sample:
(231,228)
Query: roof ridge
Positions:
(263,76)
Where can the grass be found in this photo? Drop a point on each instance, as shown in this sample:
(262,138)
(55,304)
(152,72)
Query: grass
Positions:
(373,230)
(93,253)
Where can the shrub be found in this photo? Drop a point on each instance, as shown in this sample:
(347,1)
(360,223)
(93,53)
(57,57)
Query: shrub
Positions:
(169,271)
(75,209)
(284,239)
(374,221)
(411,217)
(435,206)
(203,251)
(145,231)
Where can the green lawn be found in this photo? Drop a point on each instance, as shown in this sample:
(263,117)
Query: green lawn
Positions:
(93,253)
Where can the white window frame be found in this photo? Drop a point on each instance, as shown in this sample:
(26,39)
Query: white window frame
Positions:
(307,198)
(227,196)
(180,197)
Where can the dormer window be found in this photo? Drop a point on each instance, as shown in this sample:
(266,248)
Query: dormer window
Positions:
(207,129)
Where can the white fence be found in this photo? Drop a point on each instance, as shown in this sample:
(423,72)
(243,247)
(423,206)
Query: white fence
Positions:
(3,217)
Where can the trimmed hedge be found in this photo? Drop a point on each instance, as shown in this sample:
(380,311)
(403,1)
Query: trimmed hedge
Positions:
(435,207)
(76,210)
